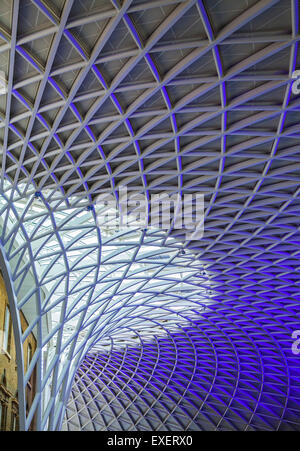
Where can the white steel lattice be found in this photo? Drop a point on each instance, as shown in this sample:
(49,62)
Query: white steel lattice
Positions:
(181,96)
(200,377)
(79,287)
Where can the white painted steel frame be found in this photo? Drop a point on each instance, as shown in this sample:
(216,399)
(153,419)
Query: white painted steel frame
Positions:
(237,146)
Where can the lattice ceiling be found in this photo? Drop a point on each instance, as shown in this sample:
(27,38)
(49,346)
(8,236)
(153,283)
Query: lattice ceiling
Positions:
(184,96)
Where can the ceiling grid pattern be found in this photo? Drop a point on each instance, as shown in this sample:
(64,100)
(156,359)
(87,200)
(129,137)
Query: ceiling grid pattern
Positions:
(201,377)
(181,96)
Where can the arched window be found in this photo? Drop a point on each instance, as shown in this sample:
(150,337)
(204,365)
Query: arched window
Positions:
(6,334)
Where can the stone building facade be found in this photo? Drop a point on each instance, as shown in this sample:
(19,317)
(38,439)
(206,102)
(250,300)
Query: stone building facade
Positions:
(9,410)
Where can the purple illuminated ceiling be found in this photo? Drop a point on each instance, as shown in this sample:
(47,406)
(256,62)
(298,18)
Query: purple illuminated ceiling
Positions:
(182,96)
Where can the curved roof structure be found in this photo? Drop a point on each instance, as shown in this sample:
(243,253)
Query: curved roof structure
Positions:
(176,96)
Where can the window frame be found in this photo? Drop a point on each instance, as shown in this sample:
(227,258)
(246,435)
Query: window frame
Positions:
(6,330)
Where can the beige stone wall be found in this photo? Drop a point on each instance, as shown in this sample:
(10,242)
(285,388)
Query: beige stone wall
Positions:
(8,369)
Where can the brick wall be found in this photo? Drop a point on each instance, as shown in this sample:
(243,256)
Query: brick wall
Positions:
(8,369)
